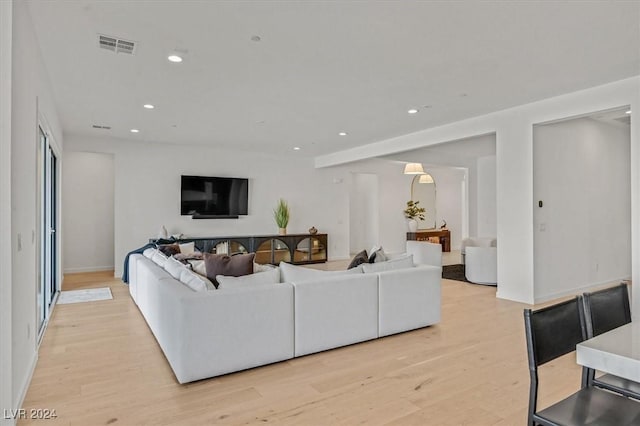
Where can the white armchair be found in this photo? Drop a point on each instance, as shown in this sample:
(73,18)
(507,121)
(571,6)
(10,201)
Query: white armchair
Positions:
(476,242)
(481,262)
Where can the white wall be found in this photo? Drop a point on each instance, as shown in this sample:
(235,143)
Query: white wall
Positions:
(31,95)
(147,193)
(514,171)
(364,208)
(486,197)
(87,196)
(6,375)
(581,173)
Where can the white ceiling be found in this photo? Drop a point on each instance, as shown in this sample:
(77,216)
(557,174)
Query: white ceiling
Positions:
(321,67)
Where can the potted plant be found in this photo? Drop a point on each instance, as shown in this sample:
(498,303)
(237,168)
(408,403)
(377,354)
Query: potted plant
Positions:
(413,212)
(281,215)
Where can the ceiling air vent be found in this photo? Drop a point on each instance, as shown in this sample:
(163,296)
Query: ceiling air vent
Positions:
(96,126)
(116,45)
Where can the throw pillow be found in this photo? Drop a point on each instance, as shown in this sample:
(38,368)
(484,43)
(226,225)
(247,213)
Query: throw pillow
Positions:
(196,255)
(359,259)
(234,266)
(169,249)
(187,248)
(148,253)
(194,281)
(389,265)
(198,266)
(271,276)
(377,255)
(292,273)
(174,267)
(159,258)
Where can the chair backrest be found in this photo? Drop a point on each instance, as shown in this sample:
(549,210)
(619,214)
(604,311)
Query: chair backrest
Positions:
(551,332)
(606,309)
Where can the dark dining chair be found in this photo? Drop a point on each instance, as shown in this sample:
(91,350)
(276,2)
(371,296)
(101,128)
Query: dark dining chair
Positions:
(605,310)
(552,332)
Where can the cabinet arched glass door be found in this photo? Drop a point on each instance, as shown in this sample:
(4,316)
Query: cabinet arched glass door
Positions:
(272,251)
(230,247)
(310,249)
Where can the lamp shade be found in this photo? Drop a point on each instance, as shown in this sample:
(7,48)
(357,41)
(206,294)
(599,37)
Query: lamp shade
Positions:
(426,178)
(413,169)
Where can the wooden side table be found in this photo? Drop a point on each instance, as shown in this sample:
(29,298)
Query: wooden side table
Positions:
(443,235)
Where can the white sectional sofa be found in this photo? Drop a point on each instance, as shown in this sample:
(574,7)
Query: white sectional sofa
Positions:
(210,333)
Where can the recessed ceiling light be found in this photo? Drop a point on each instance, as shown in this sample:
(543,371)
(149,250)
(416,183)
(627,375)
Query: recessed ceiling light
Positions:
(296,148)
(148,106)
(412,111)
(174,58)
(342,134)
(628,112)
(134,130)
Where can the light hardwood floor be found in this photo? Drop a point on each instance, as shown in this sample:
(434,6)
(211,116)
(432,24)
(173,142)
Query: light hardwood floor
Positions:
(100,365)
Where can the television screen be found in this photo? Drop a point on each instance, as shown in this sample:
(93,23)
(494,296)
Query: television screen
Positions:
(214,196)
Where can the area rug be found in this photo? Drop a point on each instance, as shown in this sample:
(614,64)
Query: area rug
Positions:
(454,272)
(88,295)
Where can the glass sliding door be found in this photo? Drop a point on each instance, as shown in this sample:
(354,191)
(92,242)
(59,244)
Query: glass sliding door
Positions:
(48,244)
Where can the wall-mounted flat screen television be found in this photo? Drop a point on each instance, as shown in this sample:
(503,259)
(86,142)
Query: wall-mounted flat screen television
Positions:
(214,196)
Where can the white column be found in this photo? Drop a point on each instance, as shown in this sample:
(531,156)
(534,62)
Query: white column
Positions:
(514,192)
(6,30)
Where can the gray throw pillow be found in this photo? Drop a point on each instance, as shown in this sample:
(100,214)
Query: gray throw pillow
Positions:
(359,259)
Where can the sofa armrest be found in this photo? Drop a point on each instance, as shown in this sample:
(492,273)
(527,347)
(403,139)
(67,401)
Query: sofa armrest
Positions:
(409,298)
(334,311)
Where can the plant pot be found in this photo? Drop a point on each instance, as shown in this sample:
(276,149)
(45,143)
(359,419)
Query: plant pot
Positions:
(412,224)
(282,231)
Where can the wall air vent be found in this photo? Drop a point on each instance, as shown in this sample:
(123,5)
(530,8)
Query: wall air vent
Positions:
(96,126)
(116,45)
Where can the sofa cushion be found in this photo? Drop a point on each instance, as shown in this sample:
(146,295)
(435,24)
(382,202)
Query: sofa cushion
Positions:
(377,255)
(194,281)
(174,267)
(389,265)
(169,249)
(292,273)
(233,266)
(271,276)
(359,259)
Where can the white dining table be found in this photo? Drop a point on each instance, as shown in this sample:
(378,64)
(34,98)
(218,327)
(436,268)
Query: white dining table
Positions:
(615,352)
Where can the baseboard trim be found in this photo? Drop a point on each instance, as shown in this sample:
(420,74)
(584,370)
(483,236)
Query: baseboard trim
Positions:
(27,382)
(88,269)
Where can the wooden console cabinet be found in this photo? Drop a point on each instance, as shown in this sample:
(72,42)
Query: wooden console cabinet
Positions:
(298,249)
(443,235)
